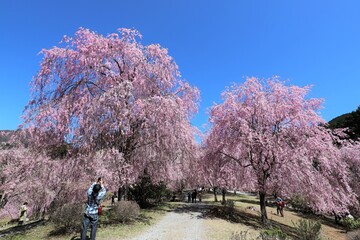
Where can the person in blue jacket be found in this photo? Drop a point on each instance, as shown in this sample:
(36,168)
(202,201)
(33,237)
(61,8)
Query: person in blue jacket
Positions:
(95,194)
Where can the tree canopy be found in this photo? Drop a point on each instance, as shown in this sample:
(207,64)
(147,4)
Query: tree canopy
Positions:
(97,92)
(276,137)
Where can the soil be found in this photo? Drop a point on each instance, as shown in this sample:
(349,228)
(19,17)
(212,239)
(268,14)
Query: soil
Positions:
(192,222)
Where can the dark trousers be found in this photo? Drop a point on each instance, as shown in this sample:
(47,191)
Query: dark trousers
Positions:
(89,219)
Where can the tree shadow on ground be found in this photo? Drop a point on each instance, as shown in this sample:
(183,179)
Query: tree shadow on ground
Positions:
(144,219)
(208,211)
(63,231)
(245,200)
(194,208)
(21,229)
(323,219)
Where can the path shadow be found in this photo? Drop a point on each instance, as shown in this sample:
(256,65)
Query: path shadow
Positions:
(201,208)
(21,229)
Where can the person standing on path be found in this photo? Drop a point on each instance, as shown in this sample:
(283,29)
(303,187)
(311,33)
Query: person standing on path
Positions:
(95,194)
(189,196)
(193,196)
(23,214)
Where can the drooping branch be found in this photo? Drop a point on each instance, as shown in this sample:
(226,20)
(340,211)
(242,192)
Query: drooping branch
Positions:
(235,159)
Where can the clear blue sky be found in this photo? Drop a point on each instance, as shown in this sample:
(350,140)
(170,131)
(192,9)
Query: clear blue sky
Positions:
(214,43)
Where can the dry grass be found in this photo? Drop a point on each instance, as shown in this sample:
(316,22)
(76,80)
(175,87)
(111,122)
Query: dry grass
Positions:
(222,229)
(243,203)
(147,218)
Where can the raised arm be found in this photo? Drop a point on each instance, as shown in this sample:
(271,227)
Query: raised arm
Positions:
(101,193)
(89,191)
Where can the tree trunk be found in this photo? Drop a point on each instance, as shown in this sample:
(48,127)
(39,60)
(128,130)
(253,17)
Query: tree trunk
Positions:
(120,193)
(215,196)
(264,217)
(126,192)
(223,195)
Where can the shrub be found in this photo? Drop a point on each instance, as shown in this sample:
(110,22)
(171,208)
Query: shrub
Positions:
(273,234)
(350,224)
(124,211)
(145,190)
(239,235)
(69,217)
(227,211)
(299,203)
(229,206)
(307,229)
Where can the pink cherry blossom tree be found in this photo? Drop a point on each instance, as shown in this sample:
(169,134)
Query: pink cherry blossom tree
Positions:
(45,182)
(114,95)
(217,171)
(274,134)
(350,153)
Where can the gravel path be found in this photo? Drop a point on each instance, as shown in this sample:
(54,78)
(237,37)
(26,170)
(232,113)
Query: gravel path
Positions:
(185,223)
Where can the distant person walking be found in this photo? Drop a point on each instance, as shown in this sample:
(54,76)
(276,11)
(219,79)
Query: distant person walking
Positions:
(280,204)
(193,196)
(95,194)
(189,196)
(23,214)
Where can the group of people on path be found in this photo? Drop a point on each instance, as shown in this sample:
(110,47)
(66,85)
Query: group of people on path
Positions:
(192,195)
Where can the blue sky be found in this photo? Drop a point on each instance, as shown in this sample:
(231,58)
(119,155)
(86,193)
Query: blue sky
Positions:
(215,43)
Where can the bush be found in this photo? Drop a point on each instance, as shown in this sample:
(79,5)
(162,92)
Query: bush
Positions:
(145,190)
(229,205)
(239,235)
(273,234)
(350,224)
(69,217)
(124,211)
(299,203)
(307,229)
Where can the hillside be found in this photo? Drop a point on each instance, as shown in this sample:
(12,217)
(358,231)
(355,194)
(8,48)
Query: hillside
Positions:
(350,121)
(13,138)
(5,137)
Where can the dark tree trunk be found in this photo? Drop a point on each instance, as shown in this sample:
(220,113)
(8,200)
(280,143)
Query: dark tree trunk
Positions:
(126,192)
(264,217)
(120,193)
(215,196)
(223,195)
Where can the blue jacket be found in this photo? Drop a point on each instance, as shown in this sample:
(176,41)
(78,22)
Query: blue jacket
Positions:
(92,206)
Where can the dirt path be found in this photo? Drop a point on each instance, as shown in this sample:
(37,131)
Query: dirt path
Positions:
(191,222)
(184,223)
